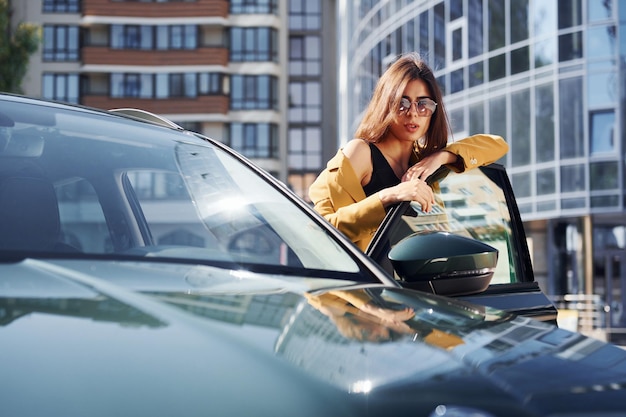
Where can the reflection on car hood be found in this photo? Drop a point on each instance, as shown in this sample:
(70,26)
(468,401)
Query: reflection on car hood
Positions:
(78,341)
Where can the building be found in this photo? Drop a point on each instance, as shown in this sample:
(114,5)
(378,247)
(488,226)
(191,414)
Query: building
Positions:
(549,77)
(246,72)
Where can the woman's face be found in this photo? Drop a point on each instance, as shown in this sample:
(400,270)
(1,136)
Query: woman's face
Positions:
(413,115)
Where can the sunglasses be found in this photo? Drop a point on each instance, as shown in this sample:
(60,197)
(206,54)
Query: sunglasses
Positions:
(425,107)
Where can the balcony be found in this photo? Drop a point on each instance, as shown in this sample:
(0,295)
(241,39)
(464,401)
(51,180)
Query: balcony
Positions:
(103,55)
(174,105)
(198,8)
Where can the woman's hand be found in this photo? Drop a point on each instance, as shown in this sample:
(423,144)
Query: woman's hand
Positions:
(411,190)
(429,165)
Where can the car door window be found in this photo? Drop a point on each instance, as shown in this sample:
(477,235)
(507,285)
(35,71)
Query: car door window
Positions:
(469,204)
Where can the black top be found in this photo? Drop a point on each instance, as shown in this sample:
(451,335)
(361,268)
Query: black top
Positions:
(382,173)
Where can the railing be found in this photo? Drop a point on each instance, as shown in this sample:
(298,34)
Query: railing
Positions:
(589,315)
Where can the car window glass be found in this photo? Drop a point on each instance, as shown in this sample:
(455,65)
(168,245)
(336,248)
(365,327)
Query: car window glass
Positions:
(215,208)
(87,232)
(471,205)
(77,183)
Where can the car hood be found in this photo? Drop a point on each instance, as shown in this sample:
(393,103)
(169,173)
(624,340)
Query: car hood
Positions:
(91,338)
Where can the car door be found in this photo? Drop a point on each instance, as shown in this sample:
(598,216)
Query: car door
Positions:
(476,206)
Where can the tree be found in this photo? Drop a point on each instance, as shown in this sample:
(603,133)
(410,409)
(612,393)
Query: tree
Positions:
(16,47)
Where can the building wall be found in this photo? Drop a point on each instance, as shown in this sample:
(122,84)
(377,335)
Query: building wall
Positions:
(213,66)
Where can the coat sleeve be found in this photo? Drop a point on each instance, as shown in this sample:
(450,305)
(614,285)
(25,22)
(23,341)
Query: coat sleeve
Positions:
(478,150)
(338,196)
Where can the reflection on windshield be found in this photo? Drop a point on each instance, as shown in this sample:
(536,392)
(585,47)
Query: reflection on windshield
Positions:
(86,183)
(239,215)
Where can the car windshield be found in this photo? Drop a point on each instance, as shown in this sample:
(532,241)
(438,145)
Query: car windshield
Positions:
(84,183)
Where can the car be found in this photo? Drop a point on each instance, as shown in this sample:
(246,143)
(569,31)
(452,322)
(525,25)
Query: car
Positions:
(478,204)
(148,270)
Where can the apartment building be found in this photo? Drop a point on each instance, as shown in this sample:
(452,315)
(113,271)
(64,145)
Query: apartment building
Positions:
(246,72)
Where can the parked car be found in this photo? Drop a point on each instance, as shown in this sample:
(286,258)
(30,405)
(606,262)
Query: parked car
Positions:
(149,270)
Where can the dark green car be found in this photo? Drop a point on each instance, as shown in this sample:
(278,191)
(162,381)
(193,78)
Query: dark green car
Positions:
(146,270)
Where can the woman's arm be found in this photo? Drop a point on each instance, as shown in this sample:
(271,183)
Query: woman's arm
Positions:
(467,153)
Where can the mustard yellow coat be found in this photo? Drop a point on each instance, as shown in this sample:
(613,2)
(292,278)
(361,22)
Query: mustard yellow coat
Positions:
(337,193)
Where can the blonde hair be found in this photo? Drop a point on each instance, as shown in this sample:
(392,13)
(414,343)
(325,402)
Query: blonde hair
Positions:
(382,108)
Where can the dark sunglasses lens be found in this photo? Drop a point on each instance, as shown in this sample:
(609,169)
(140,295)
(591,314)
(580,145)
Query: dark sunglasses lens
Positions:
(426,106)
(405,104)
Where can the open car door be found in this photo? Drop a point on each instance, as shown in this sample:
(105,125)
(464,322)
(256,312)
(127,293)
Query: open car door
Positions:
(471,245)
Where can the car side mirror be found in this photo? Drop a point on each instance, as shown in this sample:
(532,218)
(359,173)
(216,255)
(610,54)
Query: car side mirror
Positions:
(444,263)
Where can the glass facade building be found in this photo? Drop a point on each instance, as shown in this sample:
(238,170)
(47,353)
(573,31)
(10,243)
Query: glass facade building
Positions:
(548,76)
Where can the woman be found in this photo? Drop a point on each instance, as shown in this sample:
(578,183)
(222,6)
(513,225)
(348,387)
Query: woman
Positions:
(401,140)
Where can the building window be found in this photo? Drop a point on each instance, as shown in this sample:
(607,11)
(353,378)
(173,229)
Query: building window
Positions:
(475,28)
(602,132)
(602,89)
(211,83)
(131,37)
(571,118)
(61,6)
(305,56)
(521,183)
(131,85)
(254,7)
(497,116)
(476,74)
(254,92)
(570,46)
(457,82)
(600,10)
(476,117)
(254,140)
(253,44)
(300,182)
(520,128)
(60,43)
(162,37)
(544,123)
(439,36)
(496,21)
(305,148)
(604,175)
(570,13)
(545,52)
(572,178)
(520,60)
(182,85)
(61,87)
(519,20)
(305,15)
(153,1)
(457,44)
(456,9)
(165,85)
(601,42)
(497,67)
(424,33)
(546,181)
(305,102)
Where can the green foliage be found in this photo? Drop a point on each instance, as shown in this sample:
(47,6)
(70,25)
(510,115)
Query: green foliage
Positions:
(16,47)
